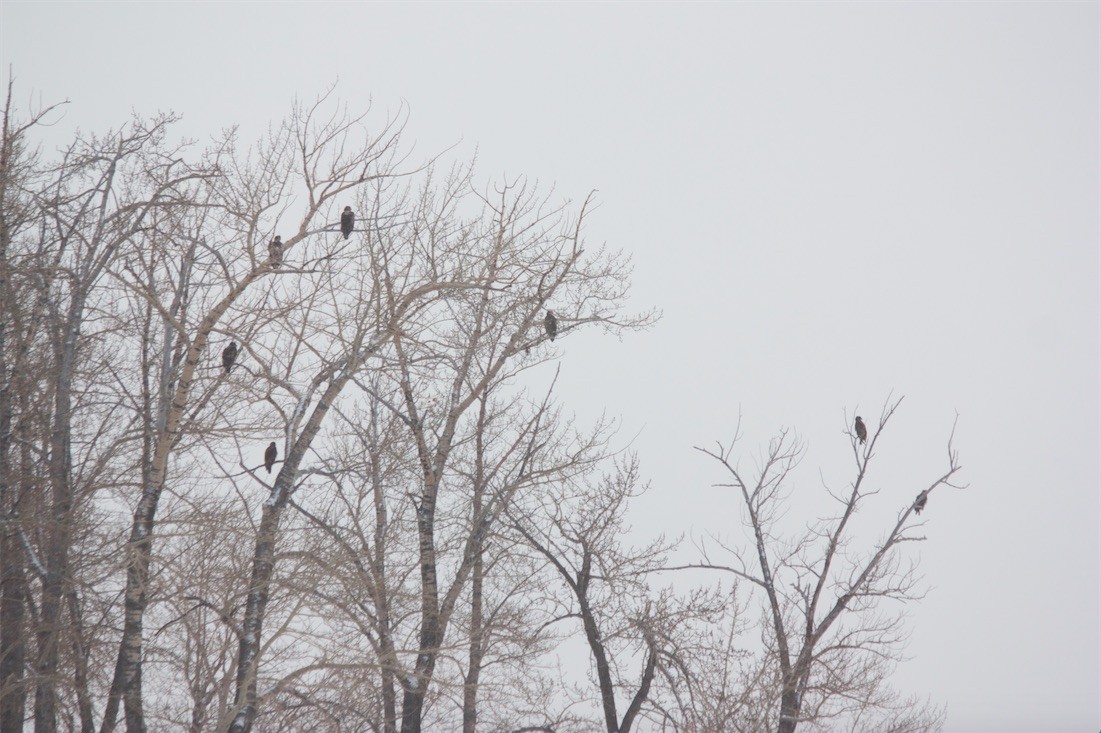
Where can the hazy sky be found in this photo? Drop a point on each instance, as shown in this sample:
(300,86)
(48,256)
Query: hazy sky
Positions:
(829,202)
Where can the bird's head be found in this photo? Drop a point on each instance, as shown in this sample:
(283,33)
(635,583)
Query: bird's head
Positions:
(347,209)
(278,239)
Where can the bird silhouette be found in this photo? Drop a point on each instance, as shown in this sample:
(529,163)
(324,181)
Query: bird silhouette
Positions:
(347,222)
(920,501)
(275,250)
(229,355)
(861,431)
(270,455)
(551,324)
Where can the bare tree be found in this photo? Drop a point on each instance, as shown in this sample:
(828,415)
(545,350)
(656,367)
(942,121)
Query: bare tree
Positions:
(21,316)
(371,332)
(524,255)
(444,526)
(830,645)
(87,208)
(431,310)
(636,636)
(310,151)
(450,305)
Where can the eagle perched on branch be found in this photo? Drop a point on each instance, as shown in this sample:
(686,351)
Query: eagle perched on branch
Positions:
(347,222)
(551,324)
(229,355)
(861,431)
(275,250)
(270,455)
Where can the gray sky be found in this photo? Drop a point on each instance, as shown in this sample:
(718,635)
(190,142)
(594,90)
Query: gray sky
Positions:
(829,202)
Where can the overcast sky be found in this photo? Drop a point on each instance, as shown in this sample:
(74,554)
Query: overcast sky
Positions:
(829,202)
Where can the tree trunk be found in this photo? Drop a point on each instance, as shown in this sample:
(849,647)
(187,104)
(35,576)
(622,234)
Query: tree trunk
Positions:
(596,646)
(60,526)
(388,665)
(412,704)
(263,566)
(263,559)
(477,570)
(80,663)
(126,684)
(387,672)
(477,643)
(13,696)
(789,710)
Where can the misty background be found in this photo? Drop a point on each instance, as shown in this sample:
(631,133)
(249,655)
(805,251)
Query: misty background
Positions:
(830,203)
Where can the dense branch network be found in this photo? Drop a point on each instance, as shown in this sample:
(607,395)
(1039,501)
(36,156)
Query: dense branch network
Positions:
(280,450)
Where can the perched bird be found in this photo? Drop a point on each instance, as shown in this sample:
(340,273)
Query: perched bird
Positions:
(270,455)
(229,355)
(275,250)
(919,502)
(347,222)
(861,431)
(551,324)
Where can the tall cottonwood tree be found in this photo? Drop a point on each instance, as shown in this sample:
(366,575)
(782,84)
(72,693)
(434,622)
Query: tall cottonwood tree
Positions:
(21,398)
(328,156)
(830,647)
(88,209)
(526,255)
(480,282)
(637,636)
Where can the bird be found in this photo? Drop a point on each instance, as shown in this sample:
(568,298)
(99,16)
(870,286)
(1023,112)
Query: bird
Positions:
(229,355)
(275,250)
(270,455)
(347,222)
(919,502)
(861,431)
(551,324)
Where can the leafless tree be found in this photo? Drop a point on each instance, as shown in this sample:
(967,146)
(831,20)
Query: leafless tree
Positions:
(432,526)
(450,303)
(135,257)
(525,255)
(830,641)
(311,151)
(430,313)
(87,208)
(22,409)
(637,636)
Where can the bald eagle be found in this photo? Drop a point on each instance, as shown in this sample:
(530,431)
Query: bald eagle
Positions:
(861,431)
(270,455)
(275,250)
(920,501)
(229,355)
(551,324)
(347,222)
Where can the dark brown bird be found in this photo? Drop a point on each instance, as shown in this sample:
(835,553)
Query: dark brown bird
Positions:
(347,222)
(275,251)
(229,355)
(920,501)
(270,455)
(861,431)
(551,324)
